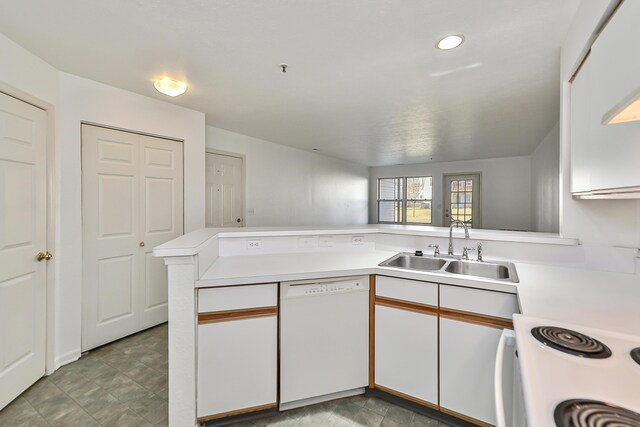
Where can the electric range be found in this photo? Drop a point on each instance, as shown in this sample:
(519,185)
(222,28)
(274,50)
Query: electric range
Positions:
(577,376)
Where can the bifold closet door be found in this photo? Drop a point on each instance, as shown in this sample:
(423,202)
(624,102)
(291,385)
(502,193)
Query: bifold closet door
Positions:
(131,202)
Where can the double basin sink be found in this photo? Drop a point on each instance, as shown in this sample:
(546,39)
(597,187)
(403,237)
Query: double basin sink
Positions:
(502,271)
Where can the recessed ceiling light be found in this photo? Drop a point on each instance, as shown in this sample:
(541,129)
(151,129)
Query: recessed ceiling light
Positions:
(169,86)
(450,42)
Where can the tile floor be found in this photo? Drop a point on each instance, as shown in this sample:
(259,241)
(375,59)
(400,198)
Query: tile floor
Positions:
(120,384)
(350,412)
(125,384)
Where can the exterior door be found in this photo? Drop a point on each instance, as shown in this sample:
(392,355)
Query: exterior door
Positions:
(225,191)
(23,222)
(131,202)
(462,199)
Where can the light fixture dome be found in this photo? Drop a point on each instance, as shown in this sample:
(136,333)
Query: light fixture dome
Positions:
(171,87)
(450,42)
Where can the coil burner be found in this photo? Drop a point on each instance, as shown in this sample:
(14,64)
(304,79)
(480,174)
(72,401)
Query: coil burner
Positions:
(635,355)
(571,342)
(593,413)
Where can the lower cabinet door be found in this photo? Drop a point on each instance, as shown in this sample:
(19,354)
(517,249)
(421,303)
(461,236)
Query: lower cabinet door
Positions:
(237,366)
(406,353)
(467,359)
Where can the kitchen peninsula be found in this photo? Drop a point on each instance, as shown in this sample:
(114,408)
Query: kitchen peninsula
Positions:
(215,273)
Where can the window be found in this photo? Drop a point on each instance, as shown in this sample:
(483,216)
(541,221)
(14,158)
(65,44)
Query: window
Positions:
(405,200)
(390,199)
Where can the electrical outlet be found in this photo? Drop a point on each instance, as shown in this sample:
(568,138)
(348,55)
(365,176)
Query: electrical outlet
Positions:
(307,241)
(357,240)
(254,244)
(325,241)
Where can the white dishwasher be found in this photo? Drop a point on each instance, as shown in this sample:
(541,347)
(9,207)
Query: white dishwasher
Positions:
(324,340)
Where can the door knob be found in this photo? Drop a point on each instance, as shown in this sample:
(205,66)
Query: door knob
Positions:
(42,256)
(141,244)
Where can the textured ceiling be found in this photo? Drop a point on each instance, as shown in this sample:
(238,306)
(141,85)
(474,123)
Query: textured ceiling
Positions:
(365,82)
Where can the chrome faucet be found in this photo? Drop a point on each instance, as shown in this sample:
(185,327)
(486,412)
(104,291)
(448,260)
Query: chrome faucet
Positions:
(466,233)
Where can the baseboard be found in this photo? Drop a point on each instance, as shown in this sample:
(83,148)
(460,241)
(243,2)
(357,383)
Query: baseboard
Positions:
(66,358)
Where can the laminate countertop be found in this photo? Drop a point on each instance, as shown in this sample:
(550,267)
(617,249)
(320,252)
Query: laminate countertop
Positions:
(597,299)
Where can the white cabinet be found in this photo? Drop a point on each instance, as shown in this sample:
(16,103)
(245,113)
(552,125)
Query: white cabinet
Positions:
(236,350)
(436,344)
(406,353)
(604,157)
(581,167)
(471,322)
(467,359)
(406,339)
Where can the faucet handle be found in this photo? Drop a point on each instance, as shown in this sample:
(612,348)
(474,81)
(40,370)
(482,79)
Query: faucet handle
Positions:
(479,251)
(436,249)
(465,252)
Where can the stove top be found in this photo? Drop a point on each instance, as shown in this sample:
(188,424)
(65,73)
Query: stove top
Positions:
(571,342)
(593,413)
(635,355)
(560,375)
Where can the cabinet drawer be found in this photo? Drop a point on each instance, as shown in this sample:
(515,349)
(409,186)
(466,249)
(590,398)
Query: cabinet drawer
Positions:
(407,290)
(491,303)
(237,297)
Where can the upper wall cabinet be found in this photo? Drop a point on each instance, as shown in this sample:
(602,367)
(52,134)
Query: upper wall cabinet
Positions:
(604,157)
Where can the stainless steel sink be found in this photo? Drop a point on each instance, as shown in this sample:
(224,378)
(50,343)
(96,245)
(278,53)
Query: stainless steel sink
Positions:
(489,270)
(503,271)
(413,262)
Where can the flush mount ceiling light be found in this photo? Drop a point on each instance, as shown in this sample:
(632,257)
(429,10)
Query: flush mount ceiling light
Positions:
(450,42)
(626,111)
(169,86)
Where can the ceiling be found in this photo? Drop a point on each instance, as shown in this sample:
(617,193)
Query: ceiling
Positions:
(365,82)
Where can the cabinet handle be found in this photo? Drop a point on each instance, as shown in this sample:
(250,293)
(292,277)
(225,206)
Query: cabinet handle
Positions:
(141,244)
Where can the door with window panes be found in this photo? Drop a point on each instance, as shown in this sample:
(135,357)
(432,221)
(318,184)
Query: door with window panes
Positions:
(462,199)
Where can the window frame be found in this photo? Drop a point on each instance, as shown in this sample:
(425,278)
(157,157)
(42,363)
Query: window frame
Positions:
(406,200)
(399,201)
(403,201)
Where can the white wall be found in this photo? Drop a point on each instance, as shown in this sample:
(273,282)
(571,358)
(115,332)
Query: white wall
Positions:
(594,222)
(505,192)
(89,101)
(287,186)
(72,100)
(545,186)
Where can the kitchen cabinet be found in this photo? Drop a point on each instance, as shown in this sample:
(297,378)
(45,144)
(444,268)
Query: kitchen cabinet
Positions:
(236,350)
(581,157)
(436,344)
(471,322)
(604,156)
(406,339)
(468,353)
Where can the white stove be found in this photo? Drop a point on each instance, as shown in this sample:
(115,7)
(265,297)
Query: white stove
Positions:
(577,376)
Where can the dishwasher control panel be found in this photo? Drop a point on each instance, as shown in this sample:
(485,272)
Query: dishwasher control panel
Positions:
(295,289)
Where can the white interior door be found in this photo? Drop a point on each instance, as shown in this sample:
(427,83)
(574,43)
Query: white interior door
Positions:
(23,222)
(131,202)
(225,191)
